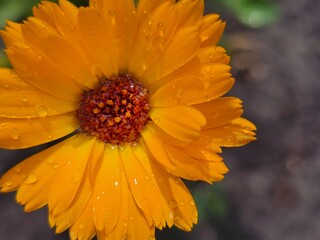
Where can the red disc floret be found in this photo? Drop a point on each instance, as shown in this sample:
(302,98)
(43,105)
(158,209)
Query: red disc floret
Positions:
(115,112)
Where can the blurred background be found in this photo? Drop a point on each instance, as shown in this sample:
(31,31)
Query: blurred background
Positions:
(272,190)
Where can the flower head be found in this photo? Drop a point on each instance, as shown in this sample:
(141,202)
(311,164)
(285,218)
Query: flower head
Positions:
(140,87)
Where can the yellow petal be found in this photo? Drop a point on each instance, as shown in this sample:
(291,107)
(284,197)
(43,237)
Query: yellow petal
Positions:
(177,92)
(211,29)
(186,213)
(37,71)
(121,15)
(21,100)
(236,133)
(153,37)
(178,167)
(220,111)
(69,216)
(68,60)
(107,191)
(143,188)
(97,37)
(12,34)
(70,175)
(189,12)
(180,50)
(132,223)
(213,54)
(146,7)
(182,122)
(23,133)
(84,228)
(36,186)
(151,168)
(62,18)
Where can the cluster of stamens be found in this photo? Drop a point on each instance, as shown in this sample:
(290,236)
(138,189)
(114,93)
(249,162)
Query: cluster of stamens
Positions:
(115,112)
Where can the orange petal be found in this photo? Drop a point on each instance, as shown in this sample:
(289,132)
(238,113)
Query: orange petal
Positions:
(107,191)
(182,122)
(12,34)
(21,100)
(211,30)
(174,56)
(97,37)
(69,216)
(189,12)
(37,71)
(35,188)
(177,92)
(121,15)
(236,133)
(84,228)
(70,175)
(220,111)
(158,152)
(153,38)
(23,133)
(151,168)
(143,188)
(146,7)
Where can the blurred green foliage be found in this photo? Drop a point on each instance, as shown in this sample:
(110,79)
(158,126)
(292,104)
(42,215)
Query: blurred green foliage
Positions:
(211,202)
(253,13)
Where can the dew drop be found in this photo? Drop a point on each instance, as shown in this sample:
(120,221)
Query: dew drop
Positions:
(156,120)
(131,218)
(173,204)
(125,224)
(15,133)
(50,160)
(182,203)
(55,166)
(135,181)
(76,177)
(147,177)
(192,203)
(112,13)
(17,169)
(116,183)
(25,99)
(8,183)
(42,111)
(31,179)
(81,226)
(152,238)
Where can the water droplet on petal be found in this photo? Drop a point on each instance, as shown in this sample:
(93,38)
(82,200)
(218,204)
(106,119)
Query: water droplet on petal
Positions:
(76,177)
(81,226)
(156,120)
(125,224)
(182,203)
(50,160)
(25,99)
(31,179)
(116,183)
(42,111)
(192,203)
(15,133)
(147,177)
(152,238)
(135,181)
(112,13)
(8,183)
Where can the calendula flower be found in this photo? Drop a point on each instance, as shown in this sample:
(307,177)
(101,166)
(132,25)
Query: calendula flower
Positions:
(138,91)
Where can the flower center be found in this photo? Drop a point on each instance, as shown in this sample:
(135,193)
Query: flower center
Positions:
(115,112)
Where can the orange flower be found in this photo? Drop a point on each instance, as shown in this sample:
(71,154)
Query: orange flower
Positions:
(140,90)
